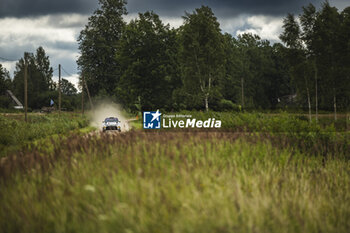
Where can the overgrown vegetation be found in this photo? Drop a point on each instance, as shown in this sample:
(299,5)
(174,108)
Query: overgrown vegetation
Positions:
(319,137)
(173,182)
(15,132)
(261,172)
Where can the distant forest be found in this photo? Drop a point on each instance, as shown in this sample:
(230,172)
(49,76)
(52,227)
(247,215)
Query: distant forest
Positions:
(41,87)
(147,65)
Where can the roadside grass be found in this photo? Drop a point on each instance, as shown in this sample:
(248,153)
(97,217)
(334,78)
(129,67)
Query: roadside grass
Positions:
(265,122)
(313,137)
(163,181)
(16,133)
(259,173)
(137,124)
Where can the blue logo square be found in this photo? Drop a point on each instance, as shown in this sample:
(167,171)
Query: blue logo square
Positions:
(151,120)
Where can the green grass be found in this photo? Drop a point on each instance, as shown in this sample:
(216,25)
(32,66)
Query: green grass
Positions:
(165,181)
(16,133)
(265,122)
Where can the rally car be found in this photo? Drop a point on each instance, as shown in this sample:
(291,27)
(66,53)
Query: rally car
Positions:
(111,123)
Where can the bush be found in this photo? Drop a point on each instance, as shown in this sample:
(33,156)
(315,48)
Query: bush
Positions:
(227,105)
(4,102)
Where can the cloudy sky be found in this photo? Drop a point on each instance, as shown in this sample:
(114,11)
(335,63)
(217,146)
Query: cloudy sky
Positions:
(27,24)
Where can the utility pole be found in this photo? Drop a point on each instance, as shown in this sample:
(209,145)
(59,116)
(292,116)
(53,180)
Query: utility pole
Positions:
(244,59)
(25,88)
(316,99)
(82,96)
(87,90)
(59,88)
(242,83)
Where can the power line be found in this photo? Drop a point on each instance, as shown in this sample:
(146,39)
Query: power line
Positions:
(67,73)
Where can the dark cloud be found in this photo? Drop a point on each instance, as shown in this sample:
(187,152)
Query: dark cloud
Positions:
(223,8)
(24,8)
(15,52)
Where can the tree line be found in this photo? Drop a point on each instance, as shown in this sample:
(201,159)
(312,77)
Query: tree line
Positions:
(41,87)
(318,53)
(145,64)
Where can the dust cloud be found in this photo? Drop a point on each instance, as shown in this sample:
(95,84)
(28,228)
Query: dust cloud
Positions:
(105,109)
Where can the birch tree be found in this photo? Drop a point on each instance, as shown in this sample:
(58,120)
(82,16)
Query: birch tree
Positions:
(291,36)
(308,20)
(201,53)
(327,41)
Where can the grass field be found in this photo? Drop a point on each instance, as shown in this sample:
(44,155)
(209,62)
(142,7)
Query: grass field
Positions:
(16,133)
(180,181)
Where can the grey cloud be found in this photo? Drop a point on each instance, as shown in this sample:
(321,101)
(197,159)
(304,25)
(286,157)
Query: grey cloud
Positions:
(68,65)
(56,57)
(221,8)
(62,45)
(15,52)
(64,21)
(24,8)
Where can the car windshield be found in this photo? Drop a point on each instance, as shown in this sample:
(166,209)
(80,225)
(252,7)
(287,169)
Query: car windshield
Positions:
(111,120)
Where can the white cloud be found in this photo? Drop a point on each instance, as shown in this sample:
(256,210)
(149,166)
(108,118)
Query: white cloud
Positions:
(266,27)
(174,22)
(56,33)
(232,24)
(21,30)
(74,79)
(10,66)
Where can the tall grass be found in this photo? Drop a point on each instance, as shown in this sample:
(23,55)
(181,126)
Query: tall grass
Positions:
(173,182)
(318,138)
(15,132)
(263,122)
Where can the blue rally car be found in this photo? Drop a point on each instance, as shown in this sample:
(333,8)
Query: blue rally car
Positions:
(111,123)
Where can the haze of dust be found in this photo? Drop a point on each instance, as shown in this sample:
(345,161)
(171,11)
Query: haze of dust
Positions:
(107,109)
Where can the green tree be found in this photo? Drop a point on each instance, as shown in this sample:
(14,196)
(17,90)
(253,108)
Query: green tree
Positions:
(5,84)
(308,23)
(5,80)
(201,53)
(279,87)
(344,59)
(257,74)
(67,87)
(297,57)
(44,69)
(39,78)
(147,56)
(98,46)
(230,82)
(326,46)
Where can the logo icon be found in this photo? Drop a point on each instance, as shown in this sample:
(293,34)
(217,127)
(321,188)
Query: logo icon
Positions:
(151,120)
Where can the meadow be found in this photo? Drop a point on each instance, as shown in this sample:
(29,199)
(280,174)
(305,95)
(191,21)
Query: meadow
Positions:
(16,133)
(229,180)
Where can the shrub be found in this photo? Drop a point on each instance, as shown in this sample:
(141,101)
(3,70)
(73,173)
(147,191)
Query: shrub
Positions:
(15,132)
(227,105)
